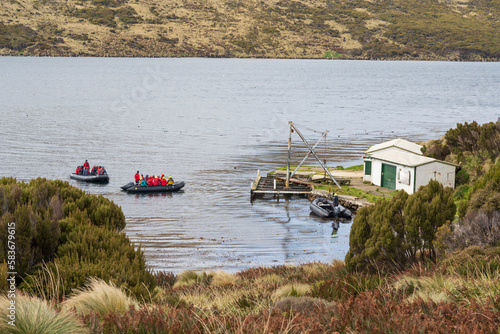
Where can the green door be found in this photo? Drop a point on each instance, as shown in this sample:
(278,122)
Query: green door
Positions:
(389,176)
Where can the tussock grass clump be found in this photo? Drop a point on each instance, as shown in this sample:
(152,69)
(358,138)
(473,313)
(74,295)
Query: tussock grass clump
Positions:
(222,278)
(100,297)
(190,277)
(292,290)
(47,283)
(436,288)
(34,315)
(270,281)
(315,268)
(229,301)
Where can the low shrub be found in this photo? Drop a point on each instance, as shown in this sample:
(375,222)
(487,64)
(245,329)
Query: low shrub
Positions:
(165,279)
(304,305)
(480,229)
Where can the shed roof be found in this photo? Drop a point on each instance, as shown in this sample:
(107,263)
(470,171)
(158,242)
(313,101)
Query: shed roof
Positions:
(399,143)
(405,158)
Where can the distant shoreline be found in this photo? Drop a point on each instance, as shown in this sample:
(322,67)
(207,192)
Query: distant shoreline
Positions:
(495,60)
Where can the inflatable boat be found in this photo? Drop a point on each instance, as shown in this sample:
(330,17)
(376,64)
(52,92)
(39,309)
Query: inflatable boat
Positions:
(128,185)
(154,189)
(325,208)
(103,178)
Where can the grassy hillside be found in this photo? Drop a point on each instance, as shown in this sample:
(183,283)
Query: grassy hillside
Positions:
(355,29)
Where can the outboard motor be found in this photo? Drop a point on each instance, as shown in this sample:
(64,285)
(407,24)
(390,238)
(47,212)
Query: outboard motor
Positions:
(335,227)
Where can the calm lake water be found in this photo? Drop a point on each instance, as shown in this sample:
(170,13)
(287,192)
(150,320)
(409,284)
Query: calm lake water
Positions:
(214,123)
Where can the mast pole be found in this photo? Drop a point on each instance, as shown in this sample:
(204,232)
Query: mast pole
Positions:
(290,124)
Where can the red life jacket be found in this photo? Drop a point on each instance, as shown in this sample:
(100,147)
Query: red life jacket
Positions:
(150,182)
(86,164)
(78,169)
(137,177)
(157,181)
(163,182)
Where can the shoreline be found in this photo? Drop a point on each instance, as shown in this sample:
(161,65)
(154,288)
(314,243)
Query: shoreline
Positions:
(401,59)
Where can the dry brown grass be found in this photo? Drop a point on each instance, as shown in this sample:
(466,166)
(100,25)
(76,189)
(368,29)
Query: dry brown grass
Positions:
(201,28)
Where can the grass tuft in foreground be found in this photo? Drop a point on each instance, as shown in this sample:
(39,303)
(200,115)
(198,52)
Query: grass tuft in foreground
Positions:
(100,297)
(34,315)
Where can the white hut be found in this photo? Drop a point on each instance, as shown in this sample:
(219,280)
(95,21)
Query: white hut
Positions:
(399,164)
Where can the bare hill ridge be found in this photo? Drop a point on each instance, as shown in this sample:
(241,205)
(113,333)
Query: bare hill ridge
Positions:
(357,29)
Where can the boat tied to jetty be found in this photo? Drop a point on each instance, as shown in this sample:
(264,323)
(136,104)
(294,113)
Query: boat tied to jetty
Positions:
(325,208)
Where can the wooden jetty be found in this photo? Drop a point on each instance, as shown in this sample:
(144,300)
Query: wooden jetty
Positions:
(288,185)
(275,185)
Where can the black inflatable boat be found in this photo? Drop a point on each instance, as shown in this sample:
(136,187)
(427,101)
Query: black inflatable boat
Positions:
(103,178)
(154,189)
(325,208)
(128,185)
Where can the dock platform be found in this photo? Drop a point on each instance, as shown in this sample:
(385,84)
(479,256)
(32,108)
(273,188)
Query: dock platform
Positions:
(276,185)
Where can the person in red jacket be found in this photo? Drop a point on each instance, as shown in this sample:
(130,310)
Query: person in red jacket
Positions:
(163,181)
(86,164)
(137,177)
(150,181)
(157,180)
(78,170)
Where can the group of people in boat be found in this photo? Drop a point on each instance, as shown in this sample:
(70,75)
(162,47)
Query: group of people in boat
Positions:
(85,169)
(151,181)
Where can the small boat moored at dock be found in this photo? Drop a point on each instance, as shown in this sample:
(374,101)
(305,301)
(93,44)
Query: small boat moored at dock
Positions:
(325,208)
(134,189)
(103,178)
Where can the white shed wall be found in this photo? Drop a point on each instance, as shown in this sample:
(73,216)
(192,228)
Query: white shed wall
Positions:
(405,178)
(443,173)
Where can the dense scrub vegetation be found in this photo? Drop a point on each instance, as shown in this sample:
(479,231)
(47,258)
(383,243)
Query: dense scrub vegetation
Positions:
(477,149)
(355,29)
(72,235)
(395,234)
